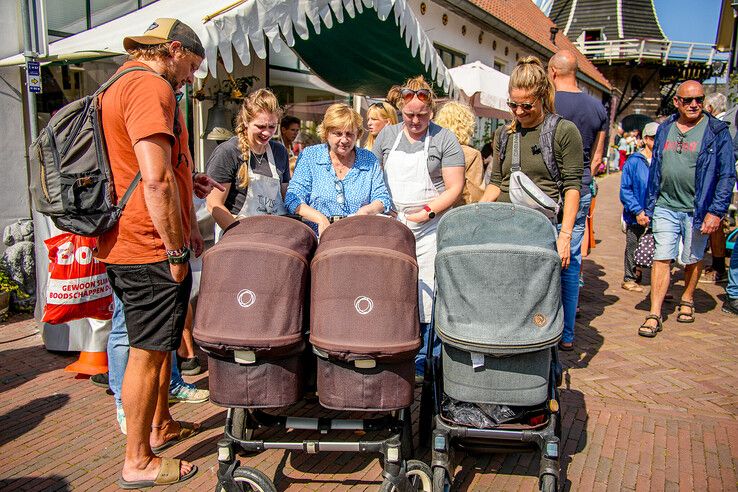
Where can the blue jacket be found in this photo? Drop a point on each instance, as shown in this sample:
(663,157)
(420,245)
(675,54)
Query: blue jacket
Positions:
(634,186)
(714,173)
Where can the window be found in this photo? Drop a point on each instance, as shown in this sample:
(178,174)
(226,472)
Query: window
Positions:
(499,66)
(451,58)
(67,17)
(593,35)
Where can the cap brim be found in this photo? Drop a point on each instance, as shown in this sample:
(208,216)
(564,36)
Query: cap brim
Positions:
(132,42)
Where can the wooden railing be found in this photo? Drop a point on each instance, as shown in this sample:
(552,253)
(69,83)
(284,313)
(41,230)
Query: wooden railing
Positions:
(661,50)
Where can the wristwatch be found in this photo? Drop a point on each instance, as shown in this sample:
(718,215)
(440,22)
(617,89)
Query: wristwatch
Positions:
(431,213)
(178,256)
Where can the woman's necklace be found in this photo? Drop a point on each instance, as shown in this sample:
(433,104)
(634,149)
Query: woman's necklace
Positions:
(259,158)
(340,168)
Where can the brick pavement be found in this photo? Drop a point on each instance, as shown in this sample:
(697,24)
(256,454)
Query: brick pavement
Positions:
(638,414)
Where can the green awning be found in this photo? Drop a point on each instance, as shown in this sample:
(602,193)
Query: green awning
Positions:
(362,55)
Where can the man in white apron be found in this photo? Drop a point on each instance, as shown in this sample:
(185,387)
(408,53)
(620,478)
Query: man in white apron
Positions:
(422,184)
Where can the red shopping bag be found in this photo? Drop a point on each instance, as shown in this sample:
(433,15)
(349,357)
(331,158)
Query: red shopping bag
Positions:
(78,286)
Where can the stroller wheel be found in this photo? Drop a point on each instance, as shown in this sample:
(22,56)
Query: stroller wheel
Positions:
(250,480)
(441,480)
(548,483)
(419,476)
(243,424)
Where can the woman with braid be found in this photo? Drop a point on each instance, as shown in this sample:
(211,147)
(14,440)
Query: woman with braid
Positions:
(253,168)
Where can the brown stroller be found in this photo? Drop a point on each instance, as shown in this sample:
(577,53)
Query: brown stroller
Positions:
(363,329)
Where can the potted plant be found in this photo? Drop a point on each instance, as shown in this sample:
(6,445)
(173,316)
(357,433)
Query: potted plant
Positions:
(8,288)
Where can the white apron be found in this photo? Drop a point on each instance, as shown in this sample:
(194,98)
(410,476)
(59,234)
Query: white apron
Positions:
(410,186)
(263,195)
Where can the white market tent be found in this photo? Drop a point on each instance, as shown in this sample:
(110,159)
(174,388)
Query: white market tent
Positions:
(226,27)
(484,88)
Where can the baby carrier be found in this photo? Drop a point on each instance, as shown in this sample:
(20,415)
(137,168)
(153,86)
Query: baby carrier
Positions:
(364,314)
(498,314)
(250,312)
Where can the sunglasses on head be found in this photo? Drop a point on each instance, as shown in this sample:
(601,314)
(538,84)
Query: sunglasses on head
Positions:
(688,100)
(423,94)
(526,106)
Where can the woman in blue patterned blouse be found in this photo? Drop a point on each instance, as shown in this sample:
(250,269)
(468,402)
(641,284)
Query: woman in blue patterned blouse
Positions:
(337,178)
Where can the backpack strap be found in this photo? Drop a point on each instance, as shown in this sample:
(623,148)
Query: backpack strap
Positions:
(546,140)
(116,76)
(548,131)
(177,129)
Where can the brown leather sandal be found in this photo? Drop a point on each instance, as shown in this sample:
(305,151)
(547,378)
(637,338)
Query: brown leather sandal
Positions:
(685,317)
(650,331)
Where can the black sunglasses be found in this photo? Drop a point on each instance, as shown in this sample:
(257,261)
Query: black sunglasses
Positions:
(526,106)
(423,94)
(679,143)
(688,100)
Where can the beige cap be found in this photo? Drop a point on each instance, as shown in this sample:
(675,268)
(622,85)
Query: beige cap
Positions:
(650,129)
(165,30)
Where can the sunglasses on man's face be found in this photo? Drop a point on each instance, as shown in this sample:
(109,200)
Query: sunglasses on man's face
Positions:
(526,106)
(408,94)
(688,100)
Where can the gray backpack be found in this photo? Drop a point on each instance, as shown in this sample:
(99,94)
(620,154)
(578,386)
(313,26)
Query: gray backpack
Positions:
(71,180)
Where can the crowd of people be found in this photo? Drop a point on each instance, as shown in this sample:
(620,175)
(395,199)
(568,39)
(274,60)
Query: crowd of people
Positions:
(415,164)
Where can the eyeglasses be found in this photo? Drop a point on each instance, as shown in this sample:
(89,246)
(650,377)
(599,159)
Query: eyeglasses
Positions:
(379,105)
(423,95)
(526,106)
(340,195)
(688,100)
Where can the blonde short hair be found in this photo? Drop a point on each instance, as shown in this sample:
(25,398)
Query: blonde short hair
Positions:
(340,116)
(459,118)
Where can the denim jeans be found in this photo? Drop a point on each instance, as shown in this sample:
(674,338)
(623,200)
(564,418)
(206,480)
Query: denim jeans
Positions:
(118,355)
(570,275)
(732,288)
(425,332)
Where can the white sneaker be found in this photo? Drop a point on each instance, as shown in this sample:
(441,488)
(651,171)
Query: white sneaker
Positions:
(189,394)
(121,417)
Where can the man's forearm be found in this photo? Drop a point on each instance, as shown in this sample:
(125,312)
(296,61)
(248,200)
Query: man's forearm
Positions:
(162,201)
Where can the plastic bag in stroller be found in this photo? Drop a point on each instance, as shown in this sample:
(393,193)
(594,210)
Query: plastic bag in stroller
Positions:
(499,316)
(361,284)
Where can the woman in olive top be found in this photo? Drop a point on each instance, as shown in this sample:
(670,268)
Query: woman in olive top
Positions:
(531,99)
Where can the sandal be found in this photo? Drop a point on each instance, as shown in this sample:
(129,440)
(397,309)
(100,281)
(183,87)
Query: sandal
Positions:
(650,331)
(186,430)
(168,474)
(566,346)
(685,317)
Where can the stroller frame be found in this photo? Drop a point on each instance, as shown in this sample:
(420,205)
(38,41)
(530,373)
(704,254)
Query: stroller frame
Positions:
(399,472)
(447,436)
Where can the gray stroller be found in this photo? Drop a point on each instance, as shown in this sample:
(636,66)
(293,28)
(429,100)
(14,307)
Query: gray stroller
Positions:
(499,316)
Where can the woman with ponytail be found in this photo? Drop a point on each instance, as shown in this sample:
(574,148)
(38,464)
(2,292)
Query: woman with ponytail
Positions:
(549,161)
(253,168)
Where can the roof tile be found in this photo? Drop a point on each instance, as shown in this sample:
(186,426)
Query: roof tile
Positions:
(526,18)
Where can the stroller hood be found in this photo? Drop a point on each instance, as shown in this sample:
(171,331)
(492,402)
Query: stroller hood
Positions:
(498,280)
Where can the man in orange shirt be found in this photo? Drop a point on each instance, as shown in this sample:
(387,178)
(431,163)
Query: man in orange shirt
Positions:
(147,253)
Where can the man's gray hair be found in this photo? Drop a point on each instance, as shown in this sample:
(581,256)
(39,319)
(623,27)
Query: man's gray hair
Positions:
(718,102)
